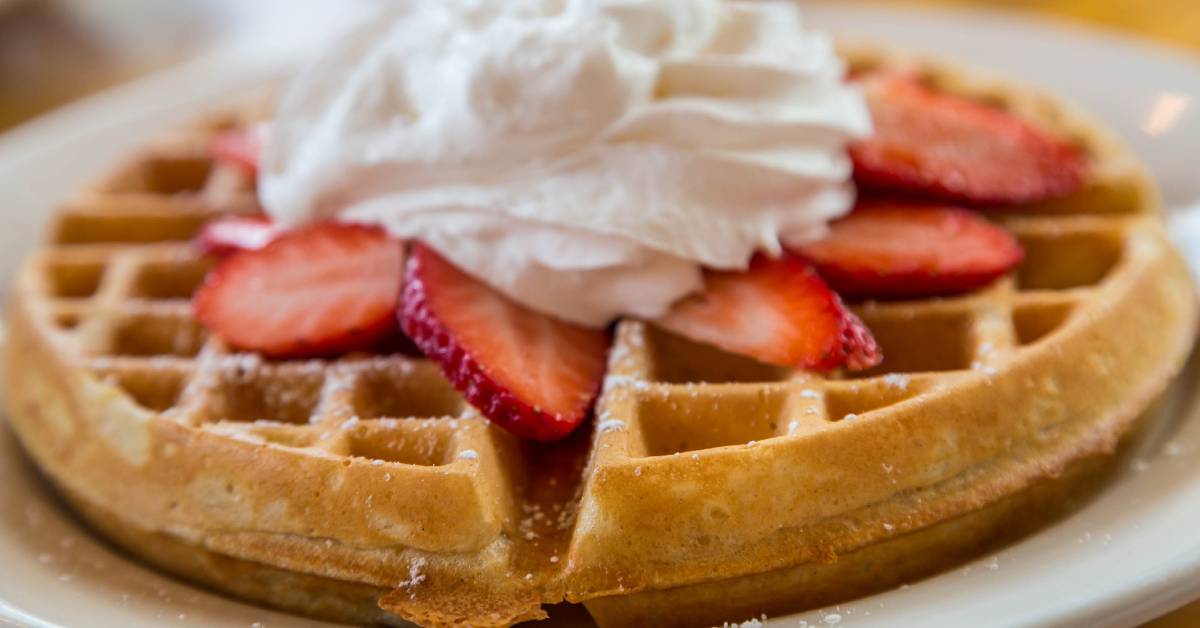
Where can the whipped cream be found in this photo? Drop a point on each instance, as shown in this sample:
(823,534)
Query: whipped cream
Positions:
(585,157)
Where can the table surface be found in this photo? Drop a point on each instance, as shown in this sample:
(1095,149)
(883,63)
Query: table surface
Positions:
(49,55)
(1171,21)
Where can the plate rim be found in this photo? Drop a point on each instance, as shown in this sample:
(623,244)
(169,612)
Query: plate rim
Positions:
(1142,600)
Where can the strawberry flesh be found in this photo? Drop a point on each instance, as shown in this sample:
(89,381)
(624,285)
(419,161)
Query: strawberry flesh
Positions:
(239,147)
(532,374)
(236,233)
(896,251)
(321,290)
(934,145)
(778,311)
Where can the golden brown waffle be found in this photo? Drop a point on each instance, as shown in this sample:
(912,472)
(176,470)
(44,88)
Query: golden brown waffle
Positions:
(711,488)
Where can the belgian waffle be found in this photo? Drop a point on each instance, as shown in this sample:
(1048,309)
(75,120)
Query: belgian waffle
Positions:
(710,487)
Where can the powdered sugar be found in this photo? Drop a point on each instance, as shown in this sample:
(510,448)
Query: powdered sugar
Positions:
(416,576)
(608,424)
(753,622)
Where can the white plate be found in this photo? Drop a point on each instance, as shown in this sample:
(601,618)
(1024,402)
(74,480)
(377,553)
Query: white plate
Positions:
(1132,554)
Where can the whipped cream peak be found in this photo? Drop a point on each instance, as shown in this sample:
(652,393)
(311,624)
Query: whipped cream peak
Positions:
(585,157)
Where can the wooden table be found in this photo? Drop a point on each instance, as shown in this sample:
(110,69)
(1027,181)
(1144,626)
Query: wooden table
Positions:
(46,61)
(1171,21)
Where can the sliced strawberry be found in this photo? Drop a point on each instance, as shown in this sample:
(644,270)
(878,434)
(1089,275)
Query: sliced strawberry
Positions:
(778,311)
(534,375)
(397,344)
(858,345)
(239,147)
(891,251)
(319,290)
(937,145)
(236,233)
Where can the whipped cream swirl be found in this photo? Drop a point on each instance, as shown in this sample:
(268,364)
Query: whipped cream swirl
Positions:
(585,157)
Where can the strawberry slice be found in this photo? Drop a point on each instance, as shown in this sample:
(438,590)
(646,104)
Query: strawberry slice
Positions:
(942,146)
(534,375)
(320,290)
(778,311)
(239,147)
(236,233)
(891,251)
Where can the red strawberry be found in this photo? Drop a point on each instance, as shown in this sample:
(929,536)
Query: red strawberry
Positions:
(778,311)
(236,233)
(942,146)
(320,290)
(239,147)
(534,375)
(908,251)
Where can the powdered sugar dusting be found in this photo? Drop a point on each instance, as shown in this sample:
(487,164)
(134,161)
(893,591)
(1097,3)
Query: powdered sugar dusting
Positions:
(608,424)
(753,622)
(415,576)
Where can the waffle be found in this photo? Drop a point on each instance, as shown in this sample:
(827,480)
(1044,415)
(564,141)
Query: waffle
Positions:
(710,488)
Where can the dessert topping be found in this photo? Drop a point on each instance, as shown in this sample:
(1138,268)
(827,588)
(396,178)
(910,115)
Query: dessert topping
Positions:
(532,374)
(584,157)
(937,145)
(319,290)
(236,233)
(240,147)
(780,312)
(888,250)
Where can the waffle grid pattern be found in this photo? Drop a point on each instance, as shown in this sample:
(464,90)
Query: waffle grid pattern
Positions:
(114,288)
(123,305)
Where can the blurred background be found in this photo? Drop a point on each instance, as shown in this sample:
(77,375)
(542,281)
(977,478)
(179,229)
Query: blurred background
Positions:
(54,51)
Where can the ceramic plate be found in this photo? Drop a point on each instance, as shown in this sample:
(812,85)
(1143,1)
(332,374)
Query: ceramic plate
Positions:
(1130,555)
